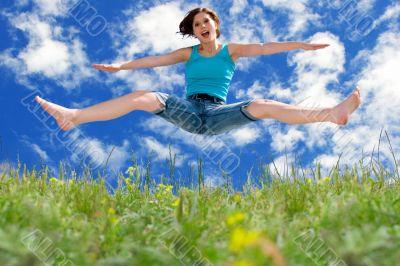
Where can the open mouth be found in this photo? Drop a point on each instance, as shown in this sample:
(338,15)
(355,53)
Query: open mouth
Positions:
(205,34)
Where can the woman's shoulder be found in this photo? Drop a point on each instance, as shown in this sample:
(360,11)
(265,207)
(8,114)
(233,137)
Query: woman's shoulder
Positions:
(185,52)
(232,46)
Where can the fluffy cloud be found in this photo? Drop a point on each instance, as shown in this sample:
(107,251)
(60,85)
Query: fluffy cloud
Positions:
(315,70)
(286,140)
(379,111)
(244,135)
(54,7)
(391,14)
(94,151)
(43,154)
(48,53)
(158,79)
(255,91)
(237,7)
(26,140)
(153,31)
(299,12)
(161,151)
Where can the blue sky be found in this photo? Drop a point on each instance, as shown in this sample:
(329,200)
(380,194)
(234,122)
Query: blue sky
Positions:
(48,48)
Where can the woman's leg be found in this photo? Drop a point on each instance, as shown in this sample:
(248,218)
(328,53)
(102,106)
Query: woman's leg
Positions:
(68,118)
(301,115)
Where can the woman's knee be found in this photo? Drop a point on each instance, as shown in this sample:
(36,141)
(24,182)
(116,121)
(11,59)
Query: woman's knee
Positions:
(147,101)
(257,103)
(257,107)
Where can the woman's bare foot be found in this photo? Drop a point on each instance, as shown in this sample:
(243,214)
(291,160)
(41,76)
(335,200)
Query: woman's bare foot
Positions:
(342,111)
(66,118)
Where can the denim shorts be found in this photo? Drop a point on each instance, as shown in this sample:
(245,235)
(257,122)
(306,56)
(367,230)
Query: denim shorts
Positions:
(204,117)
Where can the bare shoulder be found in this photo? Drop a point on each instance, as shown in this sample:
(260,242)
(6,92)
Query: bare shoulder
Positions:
(238,50)
(233,49)
(183,53)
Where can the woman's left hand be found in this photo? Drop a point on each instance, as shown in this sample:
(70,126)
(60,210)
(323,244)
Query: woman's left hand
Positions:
(311,46)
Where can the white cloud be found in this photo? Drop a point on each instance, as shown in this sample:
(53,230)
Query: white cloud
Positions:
(53,7)
(365,6)
(242,29)
(43,154)
(299,12)
(255,91)
(327,162)
(278,92)
(162,152)
(244,135)
(157,79)
(281,166)
(237,7)
(153,31)
(378,81)
(287,140)
(150,32)
(36,148)
(47,52)
(315,70)
(213,181)
(6,166)
(391,13)
(96,152)
(49,57)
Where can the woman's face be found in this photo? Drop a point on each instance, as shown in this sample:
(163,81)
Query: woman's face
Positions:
(204,27)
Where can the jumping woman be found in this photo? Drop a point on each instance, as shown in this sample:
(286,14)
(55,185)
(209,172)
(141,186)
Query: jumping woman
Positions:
(209,67)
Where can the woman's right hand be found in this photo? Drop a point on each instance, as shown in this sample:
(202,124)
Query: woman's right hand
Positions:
(107,67)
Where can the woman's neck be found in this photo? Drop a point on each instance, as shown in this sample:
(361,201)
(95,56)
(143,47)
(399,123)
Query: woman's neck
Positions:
(209,48)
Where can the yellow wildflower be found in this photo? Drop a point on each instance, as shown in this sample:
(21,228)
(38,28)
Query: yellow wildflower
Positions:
(168,188)
(111,211)
(237,197)
(53,179)
(242,263)
(112,218)
(241,238)
(131,170)
(176,202)
(324,180)
(235,218)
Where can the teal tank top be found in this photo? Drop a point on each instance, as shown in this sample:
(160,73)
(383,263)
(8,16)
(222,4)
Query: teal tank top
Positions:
(211,75)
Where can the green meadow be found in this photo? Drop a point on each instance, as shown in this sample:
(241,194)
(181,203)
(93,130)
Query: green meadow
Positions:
(351,217)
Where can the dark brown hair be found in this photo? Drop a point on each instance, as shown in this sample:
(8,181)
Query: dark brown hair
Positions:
(186,25)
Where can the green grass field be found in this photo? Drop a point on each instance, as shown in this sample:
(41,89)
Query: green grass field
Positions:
(347,218)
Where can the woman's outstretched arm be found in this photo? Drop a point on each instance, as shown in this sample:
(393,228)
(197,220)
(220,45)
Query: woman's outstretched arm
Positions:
(175,57)
(249,50)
